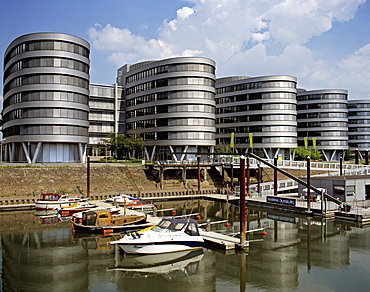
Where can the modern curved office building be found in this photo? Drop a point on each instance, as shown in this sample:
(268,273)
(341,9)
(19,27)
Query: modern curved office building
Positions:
(323,117)
(46,95)
(359,125)
(171,103)
(260,111)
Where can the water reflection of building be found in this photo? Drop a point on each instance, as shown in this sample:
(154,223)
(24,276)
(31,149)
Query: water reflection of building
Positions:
(321,244)
(288,250)
(43,261)
(51,259)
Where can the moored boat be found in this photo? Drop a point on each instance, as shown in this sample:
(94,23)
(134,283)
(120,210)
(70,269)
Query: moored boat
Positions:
(77,217)
(51,201)
(120,196)
(104,221)
(170,235)
(76,207)
(131,203)
(135,204)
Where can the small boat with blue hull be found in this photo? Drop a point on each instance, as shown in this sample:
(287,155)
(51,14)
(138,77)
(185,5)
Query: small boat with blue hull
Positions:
(170,235)
(131,203)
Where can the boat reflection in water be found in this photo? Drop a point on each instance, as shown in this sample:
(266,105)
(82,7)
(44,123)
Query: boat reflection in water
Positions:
(169,265)
(50,218)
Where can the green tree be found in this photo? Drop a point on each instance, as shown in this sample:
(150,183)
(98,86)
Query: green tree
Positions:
(315,154)
(348,155)
(133,143)
(114,143)
(221,149)
(302,153)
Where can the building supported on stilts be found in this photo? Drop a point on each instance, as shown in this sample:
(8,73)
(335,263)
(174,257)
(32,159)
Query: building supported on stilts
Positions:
(171,104)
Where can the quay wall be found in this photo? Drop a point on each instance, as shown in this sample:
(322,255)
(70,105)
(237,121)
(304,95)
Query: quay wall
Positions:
(24,185)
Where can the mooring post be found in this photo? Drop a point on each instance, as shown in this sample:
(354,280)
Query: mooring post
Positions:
(184,176)
(208,225)
(88,177)
(161,176)
(242,201)
(232,176)
(222,179)
(275,178)
(248,179)
(308,184)
(309,244)
(243,272)
(198,161)
(323,212)
(258,179)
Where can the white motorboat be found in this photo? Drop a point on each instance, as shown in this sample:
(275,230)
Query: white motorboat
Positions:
(170,235)
(53,201)
(119,197)
(130,203)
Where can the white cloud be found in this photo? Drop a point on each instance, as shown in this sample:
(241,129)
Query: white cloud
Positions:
(127,47)
(246,37)
(354,71)
(184,13)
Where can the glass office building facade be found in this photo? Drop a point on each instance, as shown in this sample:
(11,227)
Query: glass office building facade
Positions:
(46,96)
(51,113)
(323,121)
(261,112)
(359,125)
(171,104)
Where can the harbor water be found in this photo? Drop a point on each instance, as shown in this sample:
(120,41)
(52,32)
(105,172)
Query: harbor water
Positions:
(41,253)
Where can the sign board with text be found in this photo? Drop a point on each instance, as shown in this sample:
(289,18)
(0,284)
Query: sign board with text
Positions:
(282,201)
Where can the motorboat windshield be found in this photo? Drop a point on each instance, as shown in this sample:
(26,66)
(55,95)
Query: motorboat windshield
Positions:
(188,226)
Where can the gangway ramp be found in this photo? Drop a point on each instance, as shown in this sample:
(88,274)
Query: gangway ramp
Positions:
(302,182)
(329,167)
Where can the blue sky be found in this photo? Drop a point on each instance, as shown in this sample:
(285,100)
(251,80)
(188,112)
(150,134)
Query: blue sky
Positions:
(324,43)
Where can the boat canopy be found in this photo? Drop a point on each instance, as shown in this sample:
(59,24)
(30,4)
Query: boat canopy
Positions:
(52,197)
(189,226)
